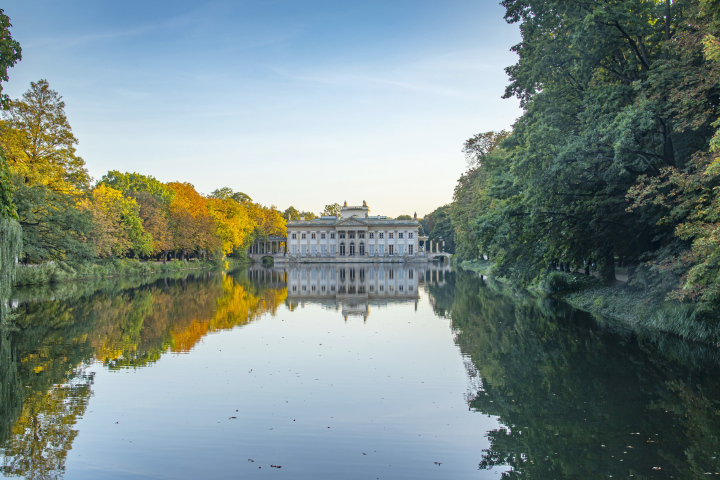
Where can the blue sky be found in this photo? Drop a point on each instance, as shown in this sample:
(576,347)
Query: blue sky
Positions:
(298,103)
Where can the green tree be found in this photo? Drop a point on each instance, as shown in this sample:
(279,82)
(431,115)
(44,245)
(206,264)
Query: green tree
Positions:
(404,217)
(10,53)
(333,209)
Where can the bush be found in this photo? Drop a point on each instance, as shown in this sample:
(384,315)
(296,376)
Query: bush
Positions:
(555,282)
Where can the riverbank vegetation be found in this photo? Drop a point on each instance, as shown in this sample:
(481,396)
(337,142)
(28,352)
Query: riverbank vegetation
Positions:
(615,160)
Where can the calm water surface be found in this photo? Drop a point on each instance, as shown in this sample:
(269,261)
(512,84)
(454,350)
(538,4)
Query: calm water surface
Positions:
(339,372)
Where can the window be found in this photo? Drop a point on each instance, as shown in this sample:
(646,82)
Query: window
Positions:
(352,249)
(312,236)
(313,250)
(304,250)
(302,236)
(332,235)
(372,249)
(342,235)
(401,249)
(410,235)
(352,234)
(372,234)
(361,235)
(362,249)
(294,249)
(381,234)
(390,235)
(322,236)
(400,235)
(332,250)
(322,250)
(390,249)
(342,249)
(294,236)
(381,249)
(410,249)
(411,273)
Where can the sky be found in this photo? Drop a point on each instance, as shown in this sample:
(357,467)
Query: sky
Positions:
(301,103)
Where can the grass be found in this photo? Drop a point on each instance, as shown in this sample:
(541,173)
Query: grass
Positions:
(56,272)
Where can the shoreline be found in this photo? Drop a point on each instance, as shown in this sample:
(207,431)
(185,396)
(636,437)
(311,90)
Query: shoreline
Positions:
(622,303)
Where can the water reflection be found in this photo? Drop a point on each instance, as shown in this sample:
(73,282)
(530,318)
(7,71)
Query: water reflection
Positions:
(352,289)
(45,351)
(579,399)
(576,397)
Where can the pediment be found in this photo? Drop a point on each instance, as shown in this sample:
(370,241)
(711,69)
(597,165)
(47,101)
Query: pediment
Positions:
(352,222)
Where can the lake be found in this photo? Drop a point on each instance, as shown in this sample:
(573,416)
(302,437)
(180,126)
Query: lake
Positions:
(341,371)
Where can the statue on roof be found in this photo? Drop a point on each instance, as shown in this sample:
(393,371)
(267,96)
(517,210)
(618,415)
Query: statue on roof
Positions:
(364,203)
(345,204)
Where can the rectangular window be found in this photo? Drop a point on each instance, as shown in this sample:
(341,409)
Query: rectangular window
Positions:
(391,249)
(332,235)
(342,235)
(294,249)
(372,249)
(294,235)
(401,249)
(400,235)
(332,250)
(410,235)
(381,234)
(302,236)
(382,248)
(372,235)
(352,234)
(322,250)
(361,235)
(390,235)
(410,249)
(312,236)
(313,249)
(322,236)
(304,251)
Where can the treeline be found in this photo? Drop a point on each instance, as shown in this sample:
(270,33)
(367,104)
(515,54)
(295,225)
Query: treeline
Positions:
(615,159)
(65,216)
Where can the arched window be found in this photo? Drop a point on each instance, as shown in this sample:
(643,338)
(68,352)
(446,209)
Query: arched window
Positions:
(352,249)
(362,249)
(342,249)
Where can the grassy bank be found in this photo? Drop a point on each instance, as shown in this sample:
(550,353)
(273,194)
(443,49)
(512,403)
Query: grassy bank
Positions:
(55,272)
(634,306)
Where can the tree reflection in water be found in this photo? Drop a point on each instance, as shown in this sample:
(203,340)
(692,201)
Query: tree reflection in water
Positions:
(577,398)
(45,348)
(580,399)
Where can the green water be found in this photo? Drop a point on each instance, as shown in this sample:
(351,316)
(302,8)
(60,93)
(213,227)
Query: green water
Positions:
(343,372)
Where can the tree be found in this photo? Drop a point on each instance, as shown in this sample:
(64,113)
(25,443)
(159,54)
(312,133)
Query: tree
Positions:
(39,142)
(192,227)
(333,210)
(154,215)
(404,217)
(53,227)
(291,213)
(135,182)
(227,193)
(10,53)
(118,228)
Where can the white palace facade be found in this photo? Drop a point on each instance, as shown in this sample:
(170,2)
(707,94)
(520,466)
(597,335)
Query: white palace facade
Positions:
(354,236)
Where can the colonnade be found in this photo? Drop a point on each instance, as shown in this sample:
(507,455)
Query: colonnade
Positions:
(269,247)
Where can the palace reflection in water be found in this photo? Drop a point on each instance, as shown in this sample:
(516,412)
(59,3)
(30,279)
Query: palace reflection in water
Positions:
(353,289)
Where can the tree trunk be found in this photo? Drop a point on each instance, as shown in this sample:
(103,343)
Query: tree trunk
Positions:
(607,270)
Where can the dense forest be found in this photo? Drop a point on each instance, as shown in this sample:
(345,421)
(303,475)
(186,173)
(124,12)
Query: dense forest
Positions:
(616,157)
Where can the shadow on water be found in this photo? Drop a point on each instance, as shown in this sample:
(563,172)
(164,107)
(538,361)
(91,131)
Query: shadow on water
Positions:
(579,399)
(576,398)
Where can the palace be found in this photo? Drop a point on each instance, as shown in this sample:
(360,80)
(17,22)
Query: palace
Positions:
(353,236)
